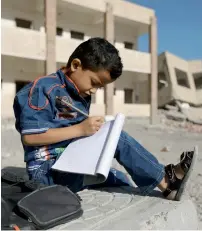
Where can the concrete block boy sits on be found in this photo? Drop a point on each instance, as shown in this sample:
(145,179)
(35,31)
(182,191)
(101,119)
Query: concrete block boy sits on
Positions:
(47,126)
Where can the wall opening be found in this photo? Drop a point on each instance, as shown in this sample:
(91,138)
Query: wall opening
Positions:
(128,95)
(162,80)
(59,31)
(141,92)
(23,23)
(77,35)
(20,84)
(128,45)
(198,80)
(182,78)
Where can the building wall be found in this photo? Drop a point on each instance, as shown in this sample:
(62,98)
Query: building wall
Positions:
(24,53)
(168,64)
(32,46)
(133,110)
(123,9)
(180,92)
(8,90)
(28,70)
(31,42)
(199,97)
(195,67)
(164,93)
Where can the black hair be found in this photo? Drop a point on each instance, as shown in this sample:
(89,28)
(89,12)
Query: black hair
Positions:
(98,54)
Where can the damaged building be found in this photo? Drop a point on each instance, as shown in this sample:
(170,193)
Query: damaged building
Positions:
(179,80)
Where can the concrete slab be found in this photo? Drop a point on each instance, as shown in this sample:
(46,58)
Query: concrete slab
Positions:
(171,108)
(175,115)
(125,208)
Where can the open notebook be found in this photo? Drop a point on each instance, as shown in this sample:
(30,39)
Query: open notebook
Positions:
(93,155)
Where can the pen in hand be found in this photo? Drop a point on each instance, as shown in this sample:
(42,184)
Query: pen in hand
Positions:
(70,105)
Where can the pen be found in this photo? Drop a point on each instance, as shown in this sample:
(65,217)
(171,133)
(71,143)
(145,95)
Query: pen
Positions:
(70,105)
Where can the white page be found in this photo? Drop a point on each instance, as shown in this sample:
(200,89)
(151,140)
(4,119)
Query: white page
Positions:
(82,155)
(85,155)
(110,147)
(107,156)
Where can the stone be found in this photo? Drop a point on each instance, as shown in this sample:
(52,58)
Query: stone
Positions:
(171,108)
(165,149)
(174,115)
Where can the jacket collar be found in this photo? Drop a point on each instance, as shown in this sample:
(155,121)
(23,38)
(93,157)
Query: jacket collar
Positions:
(70,86)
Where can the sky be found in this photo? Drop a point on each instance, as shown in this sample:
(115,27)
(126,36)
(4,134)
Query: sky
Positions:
(179,27)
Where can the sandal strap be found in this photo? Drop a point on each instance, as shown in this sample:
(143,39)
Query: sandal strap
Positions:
(174,182)
(185,160)
(167,192)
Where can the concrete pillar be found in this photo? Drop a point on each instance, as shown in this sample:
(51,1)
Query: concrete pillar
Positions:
(100,97)
(109,35)
(8,91)
(154,67)
(50,27)
(135,43)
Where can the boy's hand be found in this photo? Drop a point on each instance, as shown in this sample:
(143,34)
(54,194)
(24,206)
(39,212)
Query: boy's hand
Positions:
(91,125)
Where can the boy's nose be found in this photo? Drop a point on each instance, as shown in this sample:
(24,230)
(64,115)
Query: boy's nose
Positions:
(93,90)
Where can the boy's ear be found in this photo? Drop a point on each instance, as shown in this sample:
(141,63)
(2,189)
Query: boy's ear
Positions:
(75,64)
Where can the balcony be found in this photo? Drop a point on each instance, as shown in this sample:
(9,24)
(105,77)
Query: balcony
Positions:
(25,43)
(22,43)
(122,9)
(135,61)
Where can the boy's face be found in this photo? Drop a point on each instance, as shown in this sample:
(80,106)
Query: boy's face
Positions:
(88,81)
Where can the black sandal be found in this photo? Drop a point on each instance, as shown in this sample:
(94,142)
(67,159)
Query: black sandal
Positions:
(177,186)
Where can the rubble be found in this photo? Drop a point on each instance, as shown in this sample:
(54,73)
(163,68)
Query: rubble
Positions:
(195,121)
(165,149)
(182,115)
(175,115)
(171,107)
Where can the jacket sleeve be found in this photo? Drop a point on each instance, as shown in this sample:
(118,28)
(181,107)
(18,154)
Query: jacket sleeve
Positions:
(33,111)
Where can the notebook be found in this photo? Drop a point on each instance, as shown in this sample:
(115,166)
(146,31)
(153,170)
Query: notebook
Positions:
(92,155)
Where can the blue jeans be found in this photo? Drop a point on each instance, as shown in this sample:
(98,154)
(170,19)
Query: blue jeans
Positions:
(142,166)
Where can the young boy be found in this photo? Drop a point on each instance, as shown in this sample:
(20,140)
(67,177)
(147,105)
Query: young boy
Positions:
(47,126)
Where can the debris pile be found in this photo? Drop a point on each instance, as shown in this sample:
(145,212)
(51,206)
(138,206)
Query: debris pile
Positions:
(182,115)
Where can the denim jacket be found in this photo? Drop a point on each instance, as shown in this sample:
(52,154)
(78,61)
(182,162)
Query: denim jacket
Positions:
(37,110)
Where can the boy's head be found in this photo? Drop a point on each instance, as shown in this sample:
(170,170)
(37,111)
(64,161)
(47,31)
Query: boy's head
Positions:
(93,64)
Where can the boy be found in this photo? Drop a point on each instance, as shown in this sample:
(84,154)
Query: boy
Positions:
(47,126)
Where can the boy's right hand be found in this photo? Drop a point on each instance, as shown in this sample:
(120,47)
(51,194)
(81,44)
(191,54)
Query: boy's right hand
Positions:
(91,125)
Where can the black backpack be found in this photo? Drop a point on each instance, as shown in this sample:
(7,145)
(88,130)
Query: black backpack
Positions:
(24,204)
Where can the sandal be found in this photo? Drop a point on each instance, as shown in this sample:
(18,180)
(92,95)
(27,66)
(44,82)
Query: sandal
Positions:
(177,186)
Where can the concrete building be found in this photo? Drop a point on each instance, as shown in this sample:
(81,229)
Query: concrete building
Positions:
(179,79)
(39,36)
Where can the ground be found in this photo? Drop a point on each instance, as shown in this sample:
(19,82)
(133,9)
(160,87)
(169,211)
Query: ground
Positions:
(171,137)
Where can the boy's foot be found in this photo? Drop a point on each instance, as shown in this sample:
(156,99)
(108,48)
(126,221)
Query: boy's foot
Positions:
(179,175)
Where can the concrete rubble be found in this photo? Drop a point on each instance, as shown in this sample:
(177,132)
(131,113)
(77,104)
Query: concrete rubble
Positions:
(182,115)
(165,149)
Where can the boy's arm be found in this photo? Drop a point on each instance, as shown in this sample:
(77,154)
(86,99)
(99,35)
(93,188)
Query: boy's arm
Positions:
(55,135)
